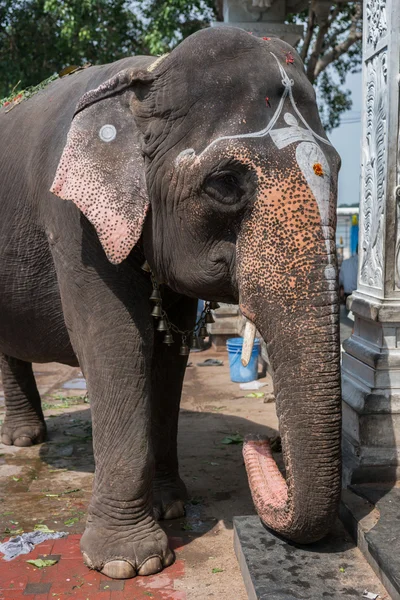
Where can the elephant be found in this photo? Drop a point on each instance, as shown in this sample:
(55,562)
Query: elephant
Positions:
(211,164)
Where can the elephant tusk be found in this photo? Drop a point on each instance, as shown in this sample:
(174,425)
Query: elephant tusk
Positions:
(248,342)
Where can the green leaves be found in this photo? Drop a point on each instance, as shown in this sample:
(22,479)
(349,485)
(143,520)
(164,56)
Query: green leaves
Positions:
(234,438)
(40,563)
(40,37)
(44,528)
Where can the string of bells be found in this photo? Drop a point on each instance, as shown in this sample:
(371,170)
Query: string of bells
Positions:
(189,337)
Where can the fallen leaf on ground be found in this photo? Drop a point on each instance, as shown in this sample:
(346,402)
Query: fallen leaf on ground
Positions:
(233,439)
(70,522)
(9,531)
(217,570)
(255,395)
(40,563)
(44,528)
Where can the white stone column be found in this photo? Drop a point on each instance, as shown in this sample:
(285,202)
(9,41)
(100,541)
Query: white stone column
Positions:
(371,358)
(264,18)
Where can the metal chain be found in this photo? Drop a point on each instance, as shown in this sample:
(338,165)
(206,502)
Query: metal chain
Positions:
(187,333)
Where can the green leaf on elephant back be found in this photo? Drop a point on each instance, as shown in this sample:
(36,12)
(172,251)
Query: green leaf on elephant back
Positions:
(235,438)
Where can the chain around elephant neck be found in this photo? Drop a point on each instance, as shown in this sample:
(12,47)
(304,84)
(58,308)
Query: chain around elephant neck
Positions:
(168,328)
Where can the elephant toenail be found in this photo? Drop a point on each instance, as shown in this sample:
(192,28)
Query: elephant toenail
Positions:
(151,566)
(175,510)
(169,558)
(119,569)
(87,560)
(23,441)
(6,440)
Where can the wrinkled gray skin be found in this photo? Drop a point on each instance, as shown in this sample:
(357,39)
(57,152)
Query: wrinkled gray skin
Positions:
(238,223)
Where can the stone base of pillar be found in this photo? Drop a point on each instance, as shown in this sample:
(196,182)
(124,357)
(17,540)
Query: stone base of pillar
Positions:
(371,393)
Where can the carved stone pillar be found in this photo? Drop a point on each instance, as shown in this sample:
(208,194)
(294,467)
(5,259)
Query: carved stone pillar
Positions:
(264,17)
(371,358)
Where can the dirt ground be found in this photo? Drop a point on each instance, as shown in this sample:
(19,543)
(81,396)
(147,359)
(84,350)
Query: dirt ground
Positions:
(51,483)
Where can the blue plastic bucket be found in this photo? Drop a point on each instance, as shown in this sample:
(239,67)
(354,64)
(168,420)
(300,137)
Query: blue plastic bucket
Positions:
(239,373)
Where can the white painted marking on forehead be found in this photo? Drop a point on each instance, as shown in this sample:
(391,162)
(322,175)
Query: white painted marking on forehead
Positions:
(308,155)
(287,93)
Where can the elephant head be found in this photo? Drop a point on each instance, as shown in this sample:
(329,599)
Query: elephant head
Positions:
(216,157)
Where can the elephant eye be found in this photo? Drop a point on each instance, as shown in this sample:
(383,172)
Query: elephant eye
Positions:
(225,187)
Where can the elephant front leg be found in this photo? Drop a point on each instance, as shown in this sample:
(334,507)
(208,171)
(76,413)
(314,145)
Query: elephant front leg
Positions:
(168,371)
(112,335)
(121,537)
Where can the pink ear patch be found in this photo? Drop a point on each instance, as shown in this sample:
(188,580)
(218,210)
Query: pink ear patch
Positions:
(105,179)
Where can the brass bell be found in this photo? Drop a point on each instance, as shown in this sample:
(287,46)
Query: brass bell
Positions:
(209,318)
(214,305)
(146,267)
(184,350)
(157,311)
(155,295)
(194,343)
(162,326)
(203,332)
(168,338)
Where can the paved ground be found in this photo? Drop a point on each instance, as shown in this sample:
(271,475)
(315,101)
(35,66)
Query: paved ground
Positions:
(50,484)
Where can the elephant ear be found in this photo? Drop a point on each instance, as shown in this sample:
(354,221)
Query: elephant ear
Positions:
(102,168)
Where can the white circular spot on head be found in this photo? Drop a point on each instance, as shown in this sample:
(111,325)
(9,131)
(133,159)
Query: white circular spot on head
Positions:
(107,133)
(290,120)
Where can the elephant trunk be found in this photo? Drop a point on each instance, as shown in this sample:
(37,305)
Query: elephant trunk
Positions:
(307,389)
(295,308)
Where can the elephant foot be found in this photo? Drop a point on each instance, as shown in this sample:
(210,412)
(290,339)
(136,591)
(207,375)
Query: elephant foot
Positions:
(122,556)
(169,497)
(22,434)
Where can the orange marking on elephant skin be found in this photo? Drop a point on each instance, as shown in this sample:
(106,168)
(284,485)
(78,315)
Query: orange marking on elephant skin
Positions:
(318,170)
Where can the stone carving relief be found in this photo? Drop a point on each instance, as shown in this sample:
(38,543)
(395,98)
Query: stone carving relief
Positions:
(376,21)
(374,169)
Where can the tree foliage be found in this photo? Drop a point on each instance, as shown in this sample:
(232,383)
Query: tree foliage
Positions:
(40,37)
(330,50)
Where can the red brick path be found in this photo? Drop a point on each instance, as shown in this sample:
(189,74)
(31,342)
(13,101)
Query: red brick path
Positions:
(70,578)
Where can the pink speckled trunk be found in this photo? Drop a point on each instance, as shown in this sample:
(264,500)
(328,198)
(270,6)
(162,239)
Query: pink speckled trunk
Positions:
(303,505)
(304,353)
